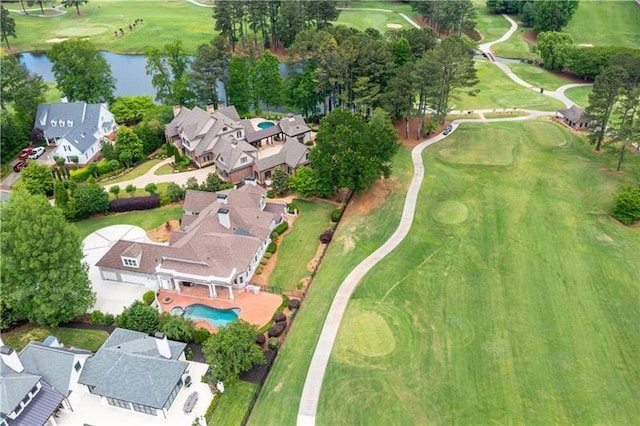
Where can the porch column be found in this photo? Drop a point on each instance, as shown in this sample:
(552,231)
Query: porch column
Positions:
(212,290)
(230,293)
(176,284)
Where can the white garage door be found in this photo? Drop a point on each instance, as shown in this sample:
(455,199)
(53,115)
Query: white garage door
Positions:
(110,276)
(133,279)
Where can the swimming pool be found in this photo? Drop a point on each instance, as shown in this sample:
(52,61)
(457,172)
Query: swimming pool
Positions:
(266,124)
(216,317)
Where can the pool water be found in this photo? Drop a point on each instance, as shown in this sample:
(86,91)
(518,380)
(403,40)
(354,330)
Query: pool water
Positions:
(216,317)
(266,124)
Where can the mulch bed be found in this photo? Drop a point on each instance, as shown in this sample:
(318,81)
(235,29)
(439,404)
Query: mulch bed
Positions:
(258,373)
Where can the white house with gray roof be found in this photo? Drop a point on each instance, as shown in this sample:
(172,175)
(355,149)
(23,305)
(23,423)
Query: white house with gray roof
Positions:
(77,129)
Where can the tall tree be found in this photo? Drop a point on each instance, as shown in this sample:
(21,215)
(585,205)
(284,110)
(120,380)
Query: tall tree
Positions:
(208,67)
(81,72)
(129,147)
(290,22)
(74,3)
(550,45)
(552,15)
(7,26)
(89,198)
(37,178)
(399,96)
(131,110)
(267,82)
(602,99)
(239,91)
(168,68)
(43,276)
(301,90)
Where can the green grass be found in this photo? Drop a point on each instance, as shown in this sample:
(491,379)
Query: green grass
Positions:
(610,23)
(513,299)
(234,404)
(579,95)
(53,93)
(134,173)
(490,25)
(146,219)
(506,114)
(515,47)
(363,19)
(299,246)
(165,169)
(539,77)
(140,192)
(164,21)
(499,91)
(76,337)
(357,236)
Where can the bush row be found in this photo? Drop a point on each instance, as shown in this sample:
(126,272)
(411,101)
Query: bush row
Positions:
(136,203)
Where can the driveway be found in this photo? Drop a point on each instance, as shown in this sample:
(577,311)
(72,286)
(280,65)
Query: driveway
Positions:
(111,296)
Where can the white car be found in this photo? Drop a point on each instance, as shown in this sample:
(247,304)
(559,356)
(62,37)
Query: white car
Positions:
(37,152)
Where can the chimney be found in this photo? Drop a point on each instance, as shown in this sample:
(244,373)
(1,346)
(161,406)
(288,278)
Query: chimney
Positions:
(222,198)
(220,105)
(10,358)
(176,109)
(223,217)
(163,345)
(210,108)
(250,180)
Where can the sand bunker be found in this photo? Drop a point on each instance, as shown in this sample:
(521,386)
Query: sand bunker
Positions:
(57,40)
(586,44)
(394,26)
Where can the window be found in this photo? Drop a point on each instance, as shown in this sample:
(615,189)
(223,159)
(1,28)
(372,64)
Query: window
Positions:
(78,366)
(144,409)
(174,392)
(26,400)
(243,160)
(224,129)
(67,148)
(239,134)
(127,261)
(241,279)
(119,403)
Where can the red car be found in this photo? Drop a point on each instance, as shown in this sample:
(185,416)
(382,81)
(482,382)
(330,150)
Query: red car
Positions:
(25,153)
(20,165)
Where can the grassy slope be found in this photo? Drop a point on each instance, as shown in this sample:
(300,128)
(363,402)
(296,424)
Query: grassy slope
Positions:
(525,312)
(538,76)
(164,21)
(136,172)
(147,219)
(499,91)
(356,238)
(515,47)
(579,95)
(233,406)
(300,245)
(606,23)
(79,338)
(362,20)
(490,25)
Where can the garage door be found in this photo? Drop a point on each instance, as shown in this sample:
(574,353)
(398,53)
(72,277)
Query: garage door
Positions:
(110,276)
(133,279)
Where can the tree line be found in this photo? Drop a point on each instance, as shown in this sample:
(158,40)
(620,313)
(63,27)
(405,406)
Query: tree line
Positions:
(542,15)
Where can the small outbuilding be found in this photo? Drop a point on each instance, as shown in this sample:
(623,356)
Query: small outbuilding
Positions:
(573,117)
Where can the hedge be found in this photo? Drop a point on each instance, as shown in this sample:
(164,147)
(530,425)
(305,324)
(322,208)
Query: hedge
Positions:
(135,203)
(282,227)
(277,329)
(272,248)
(79,175)
(627,205)
(336,214)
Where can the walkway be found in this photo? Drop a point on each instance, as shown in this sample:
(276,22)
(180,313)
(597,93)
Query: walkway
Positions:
(308,407)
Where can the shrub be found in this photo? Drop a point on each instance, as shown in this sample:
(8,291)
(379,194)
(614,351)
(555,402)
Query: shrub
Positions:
(294,304)
(292,208)
(282,227)
(179,328)
(97,317)
(175,192)
(273,343)
(627,205)
(258,270)
(271,194)
(336,214)
(274,236)
(326,236)
(280,317)
(264,261)
(109,319)
(267,255)
(260,339)
(272,247)
(80,175)
(103,167)
(135,203)
(148,297)
(201,335)
(277,329)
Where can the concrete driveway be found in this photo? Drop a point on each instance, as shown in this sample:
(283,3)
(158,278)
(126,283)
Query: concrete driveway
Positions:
(111,297)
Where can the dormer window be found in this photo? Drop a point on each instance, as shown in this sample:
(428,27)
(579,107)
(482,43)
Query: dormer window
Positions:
(54,123)
(239,134)
(243,160)
(69,123)
(224,129)
(61,123)
(130,261)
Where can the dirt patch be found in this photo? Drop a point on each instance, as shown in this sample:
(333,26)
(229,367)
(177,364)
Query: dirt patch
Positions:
(373,198)
(311,266)
(529,36)
(163,232)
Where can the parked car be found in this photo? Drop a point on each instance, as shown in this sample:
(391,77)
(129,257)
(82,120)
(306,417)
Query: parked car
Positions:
(25,153)
(20,165)
(37,152)
(447,130)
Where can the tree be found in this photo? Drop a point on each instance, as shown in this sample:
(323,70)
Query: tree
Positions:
(208,67)
(89,198)
(81,72)
(131,110)
(627,205)
(129,148)
(130,189)
(212,183)
(139,317)
(192,183)
(552,15)
(174,192)
(168,68)
(74,3)
(239,91)
(602,99)
(550,47)
(43,276)
(115,190)
(60,195)
(178,328)
(279,180)
(37,178)
(7,26)
(232,351)
(267,82)
(301,90)
(304,182)
(151,188)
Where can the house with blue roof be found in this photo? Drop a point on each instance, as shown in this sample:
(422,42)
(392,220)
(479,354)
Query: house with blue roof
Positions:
(77,129)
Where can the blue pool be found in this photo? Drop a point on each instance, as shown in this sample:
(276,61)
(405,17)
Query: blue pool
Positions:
(216,317)
(266,124)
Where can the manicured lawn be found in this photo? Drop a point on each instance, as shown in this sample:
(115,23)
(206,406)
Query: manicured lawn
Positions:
(579,95)
(363,19)
(610,23)
(164,21)
(499,91)
(504,114)
(146,219)
(512,301)
(76,337)
(134,173)
(299,246)
(165,169)
(53,93)
(490,25)
(234,404)
(140,192)
(357,236)
(538,76)
(515,47)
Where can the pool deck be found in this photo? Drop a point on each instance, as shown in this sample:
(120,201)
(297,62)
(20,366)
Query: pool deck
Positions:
(256,309)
